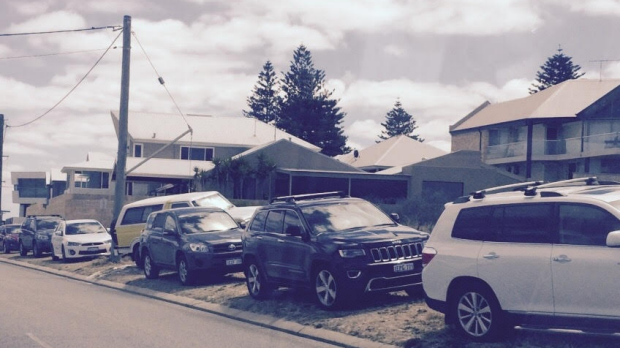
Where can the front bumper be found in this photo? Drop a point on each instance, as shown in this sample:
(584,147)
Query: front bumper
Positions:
(87,250)
(44,245)
(230,262)
(384,276)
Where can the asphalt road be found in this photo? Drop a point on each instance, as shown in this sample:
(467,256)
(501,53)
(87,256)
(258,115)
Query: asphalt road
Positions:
(43,310)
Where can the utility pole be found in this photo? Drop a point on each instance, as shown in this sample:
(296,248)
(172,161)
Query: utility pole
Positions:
(121,157)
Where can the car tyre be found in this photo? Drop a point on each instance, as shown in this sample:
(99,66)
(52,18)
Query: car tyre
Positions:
(36,251)
(64,256)
(186,276)
(5,248)
(54,257)
(136,257)
(151,271)
(22,250)
(329,294)
(476,313)
(256,282)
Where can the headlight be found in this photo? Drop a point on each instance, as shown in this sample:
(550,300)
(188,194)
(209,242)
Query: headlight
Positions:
(199,248)
(349,253)
(73,244)
(42,237)
(107,241)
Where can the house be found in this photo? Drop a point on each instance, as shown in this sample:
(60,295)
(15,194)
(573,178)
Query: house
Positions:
(395,151)
(568,130)
(36,187)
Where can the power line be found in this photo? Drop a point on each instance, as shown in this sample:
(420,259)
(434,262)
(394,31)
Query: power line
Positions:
(54,54)
(114,27)
(72,89)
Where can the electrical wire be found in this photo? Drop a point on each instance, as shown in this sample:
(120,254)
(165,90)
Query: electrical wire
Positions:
(72,89)
(114,27)
(161,80)
(55,54)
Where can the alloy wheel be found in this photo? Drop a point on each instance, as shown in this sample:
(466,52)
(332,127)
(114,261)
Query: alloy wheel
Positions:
(474,314)
(253,279)
(325,288)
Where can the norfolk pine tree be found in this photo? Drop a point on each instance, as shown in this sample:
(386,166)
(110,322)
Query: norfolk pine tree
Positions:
(397,122)
(306,110)
(264,101)
(556,69)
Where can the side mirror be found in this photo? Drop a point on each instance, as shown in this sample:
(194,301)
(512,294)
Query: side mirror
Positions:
(395,217)
(58,233)
(242,224)
(294,231)
(613,239)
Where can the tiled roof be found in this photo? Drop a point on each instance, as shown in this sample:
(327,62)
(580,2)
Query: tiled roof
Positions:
(395,151)
(207,130)
(566,99)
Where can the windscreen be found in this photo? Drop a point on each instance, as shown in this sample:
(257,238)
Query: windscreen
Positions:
(47,224)
(205,222)
(84,228)
(343,216)
(215,200)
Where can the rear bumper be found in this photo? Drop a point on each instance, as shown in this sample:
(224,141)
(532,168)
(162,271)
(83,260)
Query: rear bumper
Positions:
(439,306)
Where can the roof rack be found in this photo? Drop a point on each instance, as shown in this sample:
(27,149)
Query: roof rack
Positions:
(295,198)
(515,187)
(589,181)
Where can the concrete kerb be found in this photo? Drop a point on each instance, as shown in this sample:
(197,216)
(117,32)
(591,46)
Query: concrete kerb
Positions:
(290,327)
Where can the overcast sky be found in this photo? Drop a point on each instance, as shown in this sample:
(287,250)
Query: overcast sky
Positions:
(441,58)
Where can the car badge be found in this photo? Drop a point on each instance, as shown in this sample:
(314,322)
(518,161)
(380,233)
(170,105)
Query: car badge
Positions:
(232,247)
(397,241)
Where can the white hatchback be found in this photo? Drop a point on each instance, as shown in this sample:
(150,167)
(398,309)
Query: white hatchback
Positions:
(80,238)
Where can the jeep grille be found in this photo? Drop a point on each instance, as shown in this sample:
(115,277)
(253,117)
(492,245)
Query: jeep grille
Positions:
(396,252)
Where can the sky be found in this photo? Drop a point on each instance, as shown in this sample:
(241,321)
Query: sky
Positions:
(440,58)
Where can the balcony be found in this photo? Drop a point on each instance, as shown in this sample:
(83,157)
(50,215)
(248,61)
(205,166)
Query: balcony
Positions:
(502,151)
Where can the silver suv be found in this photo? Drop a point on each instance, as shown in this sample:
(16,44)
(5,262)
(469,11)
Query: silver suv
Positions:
(544,256)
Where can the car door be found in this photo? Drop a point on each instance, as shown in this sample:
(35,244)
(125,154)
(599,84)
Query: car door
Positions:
(169,240)
(57,238)
(272,245)
(27,235)
(585,270)
(2,236)
(515,262)
(294,248)
(153,238)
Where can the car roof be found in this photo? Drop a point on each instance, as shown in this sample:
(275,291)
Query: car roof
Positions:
(186,210)
(311,199)
(80,221)
(172,198)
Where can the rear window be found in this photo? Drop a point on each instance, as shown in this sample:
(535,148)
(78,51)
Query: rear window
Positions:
(138,215)
(258,223)
(47,224)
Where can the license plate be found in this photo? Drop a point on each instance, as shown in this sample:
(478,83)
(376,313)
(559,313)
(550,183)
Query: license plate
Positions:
(232,262)
(404,267)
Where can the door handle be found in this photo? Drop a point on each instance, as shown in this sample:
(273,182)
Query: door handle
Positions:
(491,256)
(280,240)
(259,237)
(562,259)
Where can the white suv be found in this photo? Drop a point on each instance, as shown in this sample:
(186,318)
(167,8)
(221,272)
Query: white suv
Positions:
(546,256)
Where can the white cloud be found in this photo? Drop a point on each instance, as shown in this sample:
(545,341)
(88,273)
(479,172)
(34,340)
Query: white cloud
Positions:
(592,7)
(49,22)
(31,8)
(394,50)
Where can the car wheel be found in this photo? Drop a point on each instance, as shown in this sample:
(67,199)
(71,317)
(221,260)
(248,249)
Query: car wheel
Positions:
(151,271)
(186,276)
(255,281)
(136,258)
(5,248)
(22,250)
(477,313)
(54,257)
(36,252)
(64,256)
(326,289)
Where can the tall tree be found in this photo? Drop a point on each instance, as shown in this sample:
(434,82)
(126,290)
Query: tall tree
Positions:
(264,102)
(307,109)
(558,68)
(397,122)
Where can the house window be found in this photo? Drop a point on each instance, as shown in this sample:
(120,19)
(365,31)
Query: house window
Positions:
(493,137)
(91,179)
(129,188)
(197,153)
(137,150)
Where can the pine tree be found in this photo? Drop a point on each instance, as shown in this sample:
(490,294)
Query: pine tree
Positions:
(556,69)
(264,101)
(397,122)
(307,110)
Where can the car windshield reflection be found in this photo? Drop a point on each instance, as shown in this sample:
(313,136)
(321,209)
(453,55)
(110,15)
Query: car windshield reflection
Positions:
(206,222)
(343,217)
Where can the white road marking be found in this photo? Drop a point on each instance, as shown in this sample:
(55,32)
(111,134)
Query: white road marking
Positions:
(41,343)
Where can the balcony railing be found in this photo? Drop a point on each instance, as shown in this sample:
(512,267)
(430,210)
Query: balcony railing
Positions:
(598,143)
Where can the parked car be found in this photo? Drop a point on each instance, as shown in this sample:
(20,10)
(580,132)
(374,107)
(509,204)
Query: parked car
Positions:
(132,217)
(37,233)
(191,241)
(545,257)
(339,247)
(80,238)
(9,237)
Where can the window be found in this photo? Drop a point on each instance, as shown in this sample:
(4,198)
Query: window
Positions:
(91,179)
(475,224)
(137,150)
(582,224)
(292,219)
(138,215)
(275,221)
(129,188)
(258,223)
(526,223)
(493,137)
(179,205)
(170,223)
(197,153)
(159,221)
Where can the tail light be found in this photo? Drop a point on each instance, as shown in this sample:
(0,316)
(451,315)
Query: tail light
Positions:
(428,254)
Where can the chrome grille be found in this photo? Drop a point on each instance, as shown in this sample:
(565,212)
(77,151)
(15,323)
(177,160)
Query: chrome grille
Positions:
(91,244)
(396,252)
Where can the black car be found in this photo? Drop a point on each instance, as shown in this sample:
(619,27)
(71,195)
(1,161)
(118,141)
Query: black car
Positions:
(339,247)
(9,237)
(37,234)
(191,241)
